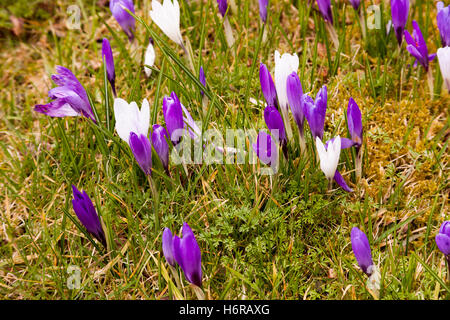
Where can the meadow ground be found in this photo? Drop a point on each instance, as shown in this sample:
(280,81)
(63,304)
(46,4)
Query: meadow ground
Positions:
(261,237)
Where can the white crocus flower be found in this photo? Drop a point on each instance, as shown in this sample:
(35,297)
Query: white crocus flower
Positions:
(329,158)
(444,62)
(284,66)
(149,58)
(167,18)
(130,119)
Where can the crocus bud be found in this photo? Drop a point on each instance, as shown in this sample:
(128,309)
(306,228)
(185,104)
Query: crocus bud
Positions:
(265,148)
(417,46)
(125,20)
(284,66)
(443,238)
(86,213)
(329,158)
(315,112)
(444,63)
(443,23)
(173,115)
(325,10)
(108,60)
(167,246)
(69,98)
(399,12)
(294,94)
(354,122)
(361,249)
(167,18)
(142,151)
(223,6)
(355,4)
(149,59)
(263,10)
(160,144)
(275,122)
(267,86)
(130,119)
(202,79)
(188,256)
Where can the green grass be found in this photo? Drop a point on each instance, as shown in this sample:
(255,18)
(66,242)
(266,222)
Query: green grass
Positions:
(283,237)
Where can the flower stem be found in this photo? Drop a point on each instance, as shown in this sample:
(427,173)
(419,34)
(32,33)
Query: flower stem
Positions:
(155,200)
(228,33)
(198,292)
(333,34)
(430,82)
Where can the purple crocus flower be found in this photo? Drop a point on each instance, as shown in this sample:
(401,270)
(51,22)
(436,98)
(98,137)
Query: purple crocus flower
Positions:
(142,151)
(202,79)
(355,4)
(443,239)
(69,98)
(167,246)
(417,46)
(265,148)
(173,115)
(108,61)
(125,20)
(399,12)
(275,122)
(160,144)
(294,94)
(443,23)
(187,254)
(325,9)
(354,123)
(315,112)
(86,213)
(361,249)
(263,10)
(267,86)
(223,6)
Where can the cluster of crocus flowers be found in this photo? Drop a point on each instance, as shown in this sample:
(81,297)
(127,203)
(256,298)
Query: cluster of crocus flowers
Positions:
(126,21)
(184,251)
(69,98)
(363,255)
(86,213)
(108,61)
(399,13)
(132,127)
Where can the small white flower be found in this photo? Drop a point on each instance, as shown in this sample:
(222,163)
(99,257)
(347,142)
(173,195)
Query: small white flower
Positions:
(329,158)
(284,66)
(167,18)
(444,62)
(149,59)
(130,119)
